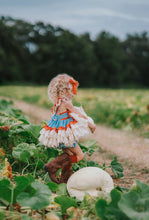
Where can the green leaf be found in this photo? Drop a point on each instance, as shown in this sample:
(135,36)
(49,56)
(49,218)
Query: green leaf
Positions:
(33,129)
(3,133)
(23,151)
(83,148)
(40,163)
(24,119)
(24,156)
(91,163)
(25,217)
(112,210)
(88,143)
(117,168)
(135,204)
(30,178)
(62,189)
(100,207)
(5,190)
(52,152)
(52,186)
(2,216)
(4,104)
(43,156)
(65,202)
(36,198)
(22,183)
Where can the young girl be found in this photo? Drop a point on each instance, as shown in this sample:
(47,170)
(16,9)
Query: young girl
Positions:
(67,125)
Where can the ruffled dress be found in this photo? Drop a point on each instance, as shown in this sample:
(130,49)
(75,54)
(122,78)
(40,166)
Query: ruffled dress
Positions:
(65,130)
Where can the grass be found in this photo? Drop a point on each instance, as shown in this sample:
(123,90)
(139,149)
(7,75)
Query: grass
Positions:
(127,109)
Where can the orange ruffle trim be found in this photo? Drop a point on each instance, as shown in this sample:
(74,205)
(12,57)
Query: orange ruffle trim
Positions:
(46,127)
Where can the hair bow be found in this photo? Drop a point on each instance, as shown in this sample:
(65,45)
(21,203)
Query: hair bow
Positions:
(74,85)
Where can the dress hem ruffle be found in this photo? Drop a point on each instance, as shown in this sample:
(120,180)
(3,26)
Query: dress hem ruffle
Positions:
(66,136)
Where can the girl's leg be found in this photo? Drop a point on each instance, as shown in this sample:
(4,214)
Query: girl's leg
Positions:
(64,161)
(75,151)
(76,155)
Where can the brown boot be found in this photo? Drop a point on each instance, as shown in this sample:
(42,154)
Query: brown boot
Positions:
(67,171)
(53,166)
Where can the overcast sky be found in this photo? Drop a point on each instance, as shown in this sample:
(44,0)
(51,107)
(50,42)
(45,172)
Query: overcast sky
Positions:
(118,17)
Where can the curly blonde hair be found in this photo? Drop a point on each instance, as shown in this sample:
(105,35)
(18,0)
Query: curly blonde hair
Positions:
(57,85)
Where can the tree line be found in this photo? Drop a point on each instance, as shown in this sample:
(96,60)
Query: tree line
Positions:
(34,53)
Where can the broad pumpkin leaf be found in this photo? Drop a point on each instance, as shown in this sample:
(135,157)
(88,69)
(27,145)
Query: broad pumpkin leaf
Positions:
(5,191)
(24,156)
(62,189)
(36,198)
(117,168)
(112,210)
(23,151)
(22,183)
(33,129)
(30,178)
(100,207)
(135,204)
(52,186)
(65,202)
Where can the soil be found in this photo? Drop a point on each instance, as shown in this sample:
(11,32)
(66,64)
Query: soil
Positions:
(131,150)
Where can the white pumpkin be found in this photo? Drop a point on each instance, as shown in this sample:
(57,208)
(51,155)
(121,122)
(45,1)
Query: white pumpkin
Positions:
(91,180)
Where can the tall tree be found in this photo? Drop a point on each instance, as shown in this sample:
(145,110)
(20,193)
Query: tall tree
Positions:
(110,57)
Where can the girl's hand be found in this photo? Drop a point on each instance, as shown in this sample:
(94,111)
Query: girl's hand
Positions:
(92,127)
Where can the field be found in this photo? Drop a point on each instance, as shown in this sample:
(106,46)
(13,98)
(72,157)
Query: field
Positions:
(21,159)
(126,109)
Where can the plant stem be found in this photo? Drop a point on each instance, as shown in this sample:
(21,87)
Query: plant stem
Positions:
(43,214)
(25,167)
(45,177)
(11,202)
(85,158)
(35,168)
(31,214)
(14,163)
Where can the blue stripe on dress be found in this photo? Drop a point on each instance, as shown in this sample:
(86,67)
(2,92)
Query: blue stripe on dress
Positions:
(56,121)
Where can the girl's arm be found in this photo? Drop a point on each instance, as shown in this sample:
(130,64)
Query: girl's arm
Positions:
(92,127)
(71,108)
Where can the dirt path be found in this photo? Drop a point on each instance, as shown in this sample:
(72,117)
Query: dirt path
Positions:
(132,151)
(125,144)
